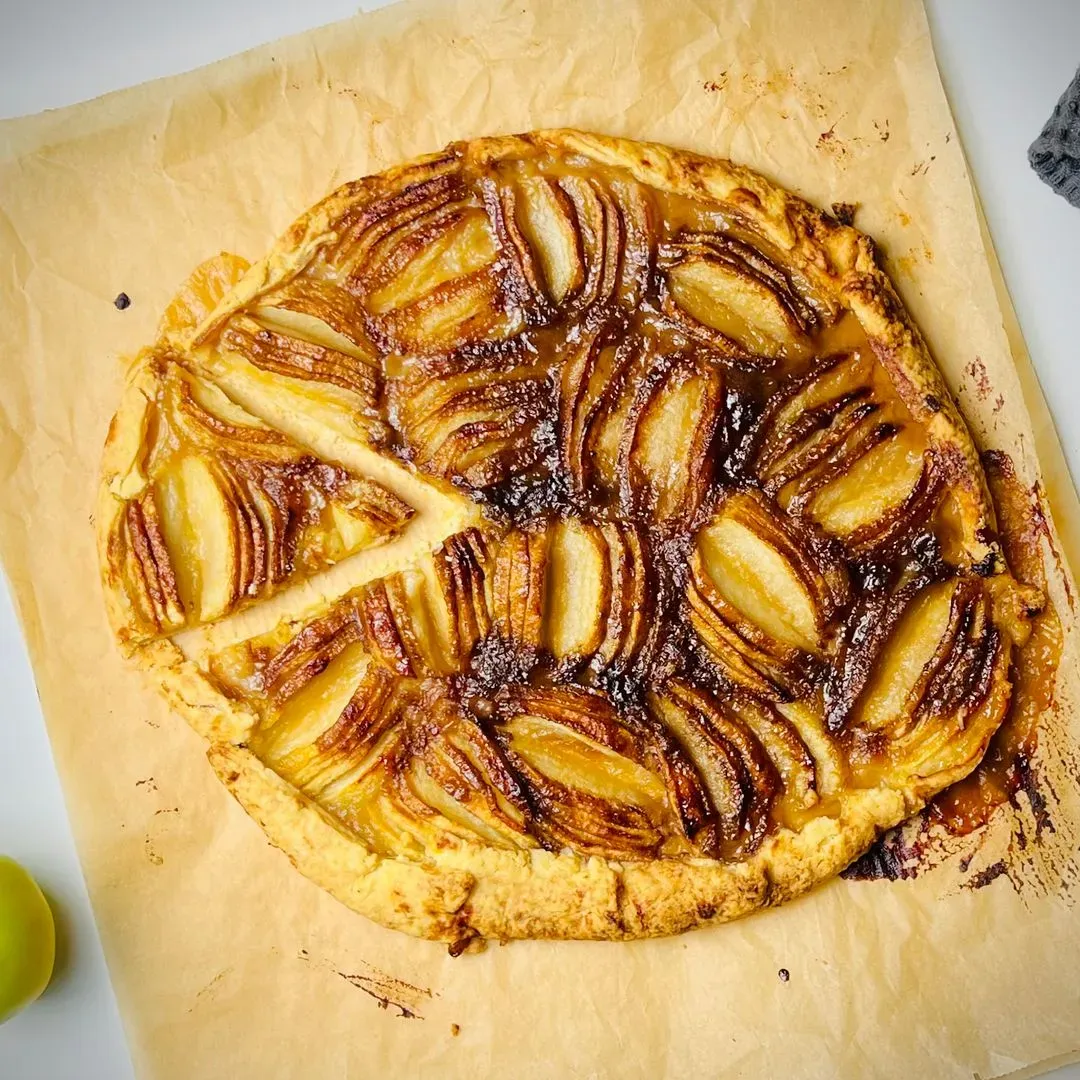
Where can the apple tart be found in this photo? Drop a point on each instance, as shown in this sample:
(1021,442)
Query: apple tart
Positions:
(694,585)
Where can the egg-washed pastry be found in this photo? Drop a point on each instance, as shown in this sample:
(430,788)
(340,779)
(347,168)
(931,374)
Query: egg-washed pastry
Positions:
(720,597)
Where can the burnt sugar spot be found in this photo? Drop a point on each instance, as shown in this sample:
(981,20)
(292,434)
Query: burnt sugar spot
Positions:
(985,877)
(844,212)
(892,857)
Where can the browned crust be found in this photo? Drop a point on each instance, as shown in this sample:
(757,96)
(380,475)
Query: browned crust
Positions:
(478,892)
(487,893)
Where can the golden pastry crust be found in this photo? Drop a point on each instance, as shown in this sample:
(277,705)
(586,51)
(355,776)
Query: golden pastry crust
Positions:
(482,893)
(462,891)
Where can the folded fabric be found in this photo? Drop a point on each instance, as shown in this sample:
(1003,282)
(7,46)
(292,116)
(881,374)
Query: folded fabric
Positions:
(1055,154)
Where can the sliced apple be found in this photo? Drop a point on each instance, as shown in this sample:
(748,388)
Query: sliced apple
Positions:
(737,773)
(473,419)
(518,587)
(759,582)
(667,460)
(840,448)
(461,610)
(877,487)
(201,532)
(397,624)
(577,590)
(769,575)
(786,749)
(630,623)
(319,706)
(735,297)
(320,311)
(454,247)
(546,218)
(584,771)
(294,357)
(600,230)
(460,773)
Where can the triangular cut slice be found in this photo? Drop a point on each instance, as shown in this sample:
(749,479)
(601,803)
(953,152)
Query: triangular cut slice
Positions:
(204,508)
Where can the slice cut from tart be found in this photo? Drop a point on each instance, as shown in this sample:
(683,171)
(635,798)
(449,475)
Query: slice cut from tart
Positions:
(203,508)
(730,601)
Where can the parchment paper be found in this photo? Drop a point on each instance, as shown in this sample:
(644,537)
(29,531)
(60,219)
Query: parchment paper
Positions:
(226,962)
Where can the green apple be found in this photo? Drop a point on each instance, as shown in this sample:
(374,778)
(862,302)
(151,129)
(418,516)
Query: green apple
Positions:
(27,939)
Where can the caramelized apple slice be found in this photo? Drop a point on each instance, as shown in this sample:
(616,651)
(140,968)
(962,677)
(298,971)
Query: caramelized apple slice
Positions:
(639,425)
(584,771)
(631,630)
(877,486)
(426,269)
(761,596)
(518,587)
(324,736)
(545,217)
(737,773)
(461,569)
(473,419)
(318,311)
(460,773)
(201,533)
(666,463)
(577,590)
(458,245)
(921,666)
(841,449)
(761,581)
(734,298)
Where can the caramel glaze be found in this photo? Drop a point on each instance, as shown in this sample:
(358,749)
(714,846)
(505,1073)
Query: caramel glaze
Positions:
(1007,767)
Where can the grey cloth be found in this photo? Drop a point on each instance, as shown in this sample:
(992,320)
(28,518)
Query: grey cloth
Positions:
(1055,154)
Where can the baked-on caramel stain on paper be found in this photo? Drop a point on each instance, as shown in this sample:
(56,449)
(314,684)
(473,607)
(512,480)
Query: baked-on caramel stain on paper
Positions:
(207,993)
(1008,779)
(388,991)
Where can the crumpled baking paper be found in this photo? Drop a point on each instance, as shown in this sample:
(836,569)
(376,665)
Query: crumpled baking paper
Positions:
(226,962)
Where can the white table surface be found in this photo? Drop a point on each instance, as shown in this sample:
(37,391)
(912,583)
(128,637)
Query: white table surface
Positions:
(1005,64)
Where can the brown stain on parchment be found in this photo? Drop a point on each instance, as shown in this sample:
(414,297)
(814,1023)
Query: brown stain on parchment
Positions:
(977,370)
(831,143)
(151,838)
(387,991)
(208,992)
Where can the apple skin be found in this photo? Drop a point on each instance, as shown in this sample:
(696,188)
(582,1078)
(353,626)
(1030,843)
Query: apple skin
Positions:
(27,939)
